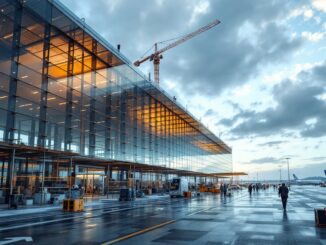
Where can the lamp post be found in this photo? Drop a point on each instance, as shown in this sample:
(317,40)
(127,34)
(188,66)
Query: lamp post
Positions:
(257,169)
(280,166)
(288,164)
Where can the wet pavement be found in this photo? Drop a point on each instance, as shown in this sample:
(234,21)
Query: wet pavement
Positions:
(209,219)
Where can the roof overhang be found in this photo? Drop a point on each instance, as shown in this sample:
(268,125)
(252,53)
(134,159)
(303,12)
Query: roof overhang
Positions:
(24,151)
(230,174)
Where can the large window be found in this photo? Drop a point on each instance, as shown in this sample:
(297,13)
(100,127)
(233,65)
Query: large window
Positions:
(72,93)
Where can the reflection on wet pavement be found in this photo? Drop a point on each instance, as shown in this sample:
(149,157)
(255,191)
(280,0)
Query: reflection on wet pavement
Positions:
(209,219)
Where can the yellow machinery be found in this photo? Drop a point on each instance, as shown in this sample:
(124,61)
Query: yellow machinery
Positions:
(187,194)
(203,188)
(215,190)
(73,205)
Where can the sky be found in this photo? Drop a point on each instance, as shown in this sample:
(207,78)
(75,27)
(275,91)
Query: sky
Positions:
(257,80)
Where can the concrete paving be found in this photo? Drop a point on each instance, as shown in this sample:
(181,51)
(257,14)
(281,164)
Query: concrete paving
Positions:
(209,219)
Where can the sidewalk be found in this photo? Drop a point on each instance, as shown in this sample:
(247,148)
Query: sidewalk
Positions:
(255,220)
(88,203)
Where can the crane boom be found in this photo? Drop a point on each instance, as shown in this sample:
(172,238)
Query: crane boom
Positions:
(156,56)
(189,36)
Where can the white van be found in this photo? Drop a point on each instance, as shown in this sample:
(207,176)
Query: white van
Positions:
(178,186)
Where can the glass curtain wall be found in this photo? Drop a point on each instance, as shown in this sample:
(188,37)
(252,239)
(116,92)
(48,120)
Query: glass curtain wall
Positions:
(63,89)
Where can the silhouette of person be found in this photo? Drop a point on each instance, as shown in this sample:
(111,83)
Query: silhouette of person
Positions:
(283,192)
(250,189)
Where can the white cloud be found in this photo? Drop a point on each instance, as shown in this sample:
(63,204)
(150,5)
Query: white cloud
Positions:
(319,5)
(199,9)
(170,84)
(311,121)
(308,13)
(243,90)
(313,36)
(274,77)
(322,97)
(248,32)
(291,72)
(298,68)
(304,11)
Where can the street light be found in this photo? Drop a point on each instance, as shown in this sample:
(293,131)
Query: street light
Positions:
(280,166)
(257,169)
(287,160)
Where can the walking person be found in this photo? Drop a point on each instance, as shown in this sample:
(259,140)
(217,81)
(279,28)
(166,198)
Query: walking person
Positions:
(283,192)
(250,189)
(223,189)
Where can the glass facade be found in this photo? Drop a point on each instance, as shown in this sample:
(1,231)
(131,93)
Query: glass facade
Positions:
(63,88)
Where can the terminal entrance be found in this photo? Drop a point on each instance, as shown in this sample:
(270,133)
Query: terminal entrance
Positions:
(91,179)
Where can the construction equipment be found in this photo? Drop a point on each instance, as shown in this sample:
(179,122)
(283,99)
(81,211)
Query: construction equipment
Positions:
(157,55)
(73,205)
(187,194)
(74,201)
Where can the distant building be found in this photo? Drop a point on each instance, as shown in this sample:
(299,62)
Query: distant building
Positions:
(72,105)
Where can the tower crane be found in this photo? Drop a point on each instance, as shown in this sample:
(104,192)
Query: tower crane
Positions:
(157,55)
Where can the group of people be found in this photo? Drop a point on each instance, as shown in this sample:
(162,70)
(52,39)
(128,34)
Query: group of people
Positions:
(255,187)
(283,192)
(224,188)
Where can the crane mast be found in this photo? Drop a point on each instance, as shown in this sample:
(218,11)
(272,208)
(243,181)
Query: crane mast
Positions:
(157,55)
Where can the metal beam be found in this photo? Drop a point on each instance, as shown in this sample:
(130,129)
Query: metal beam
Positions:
(44,87)
(15,48)
(68,117)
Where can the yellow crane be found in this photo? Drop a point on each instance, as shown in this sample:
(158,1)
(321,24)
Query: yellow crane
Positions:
(157,55)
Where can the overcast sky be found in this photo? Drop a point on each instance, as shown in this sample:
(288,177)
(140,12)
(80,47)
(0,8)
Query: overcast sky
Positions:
(258,79)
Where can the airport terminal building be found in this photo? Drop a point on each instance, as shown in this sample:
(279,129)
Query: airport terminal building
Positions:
(73,108)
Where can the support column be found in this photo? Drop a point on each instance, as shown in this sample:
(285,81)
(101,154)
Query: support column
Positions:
(122,113)
(121,175)
(57,142)
(92,102)
(82,109)
(44,87)
(134,123)
(108,114)
(11,173)
(143,134)
(31,139)
(11,109)
(68,124)
(2,173)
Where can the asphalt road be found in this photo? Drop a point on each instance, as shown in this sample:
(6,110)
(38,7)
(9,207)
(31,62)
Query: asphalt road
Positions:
(106,222)
(208,219)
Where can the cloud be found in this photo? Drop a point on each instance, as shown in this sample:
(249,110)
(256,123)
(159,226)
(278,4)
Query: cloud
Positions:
(304,11)
(265,160)
(210,112)
(273,143)
(319,5)
(317,159)
(248,38)
(313,36)
(298,108)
